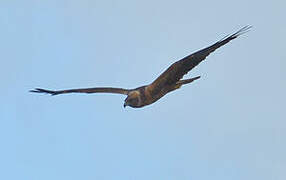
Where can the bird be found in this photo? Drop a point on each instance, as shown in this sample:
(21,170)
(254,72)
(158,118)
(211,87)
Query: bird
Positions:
(169,80)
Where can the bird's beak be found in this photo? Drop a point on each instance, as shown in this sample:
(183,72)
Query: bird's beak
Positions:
(124,105)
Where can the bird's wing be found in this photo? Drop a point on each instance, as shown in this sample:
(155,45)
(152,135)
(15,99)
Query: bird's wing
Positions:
(85,90)
(178,69)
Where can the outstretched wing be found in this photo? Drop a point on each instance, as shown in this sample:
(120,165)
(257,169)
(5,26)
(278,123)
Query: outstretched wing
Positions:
(178,69)
(86,90)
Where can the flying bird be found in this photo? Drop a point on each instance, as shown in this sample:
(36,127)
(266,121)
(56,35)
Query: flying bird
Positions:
(169,80)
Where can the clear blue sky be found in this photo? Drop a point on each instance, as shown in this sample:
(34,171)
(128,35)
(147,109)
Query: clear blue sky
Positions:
(230,124)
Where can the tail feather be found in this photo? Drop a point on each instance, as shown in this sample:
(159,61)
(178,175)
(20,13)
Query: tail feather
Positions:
(186,81)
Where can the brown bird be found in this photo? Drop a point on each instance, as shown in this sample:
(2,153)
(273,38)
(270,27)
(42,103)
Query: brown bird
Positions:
(168,81)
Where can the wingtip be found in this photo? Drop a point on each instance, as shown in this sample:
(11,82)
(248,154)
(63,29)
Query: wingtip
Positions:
(39,90)
(243,30)
(34,90)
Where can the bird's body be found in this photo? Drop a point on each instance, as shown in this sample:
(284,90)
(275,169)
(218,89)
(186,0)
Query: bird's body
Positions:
(168,81)
(145,95)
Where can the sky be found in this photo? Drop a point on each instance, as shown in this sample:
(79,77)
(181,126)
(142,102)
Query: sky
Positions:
(230,124)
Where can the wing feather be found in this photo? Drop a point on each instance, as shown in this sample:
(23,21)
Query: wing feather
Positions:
(84,90)
(178,69)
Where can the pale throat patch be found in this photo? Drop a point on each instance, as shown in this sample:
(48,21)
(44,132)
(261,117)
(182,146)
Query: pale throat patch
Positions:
(134,93)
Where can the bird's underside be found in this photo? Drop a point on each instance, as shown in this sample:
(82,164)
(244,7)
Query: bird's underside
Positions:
(169,80)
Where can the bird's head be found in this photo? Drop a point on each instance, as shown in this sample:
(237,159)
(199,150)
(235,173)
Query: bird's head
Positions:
(132,100)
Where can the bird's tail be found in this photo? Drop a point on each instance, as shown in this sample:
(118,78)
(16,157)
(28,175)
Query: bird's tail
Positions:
(186,81)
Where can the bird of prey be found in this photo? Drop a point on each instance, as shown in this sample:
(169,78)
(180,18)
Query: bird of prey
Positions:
(169,80)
